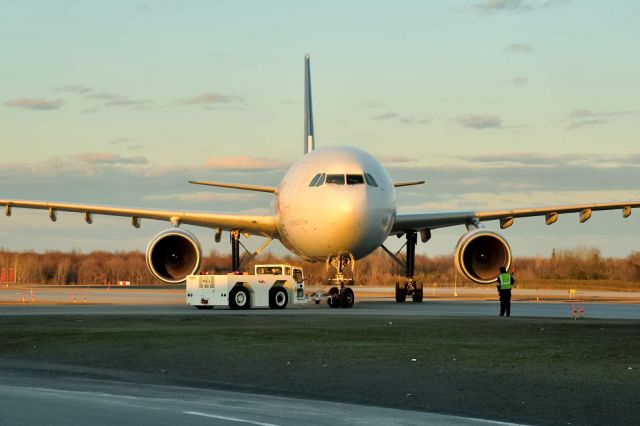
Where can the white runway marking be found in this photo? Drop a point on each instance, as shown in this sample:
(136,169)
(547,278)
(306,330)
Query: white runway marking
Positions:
(230,419)
(491,422)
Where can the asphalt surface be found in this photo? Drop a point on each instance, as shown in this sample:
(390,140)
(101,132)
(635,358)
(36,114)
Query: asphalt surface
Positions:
(27,399)
(363,308)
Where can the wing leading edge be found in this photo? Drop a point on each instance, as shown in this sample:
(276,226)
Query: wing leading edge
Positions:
(422,221)
(256,225)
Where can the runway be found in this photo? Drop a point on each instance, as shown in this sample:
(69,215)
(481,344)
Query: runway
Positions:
(374,301)
(370,308)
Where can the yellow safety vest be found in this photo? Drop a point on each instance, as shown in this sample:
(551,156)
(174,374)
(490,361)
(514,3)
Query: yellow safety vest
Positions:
(505,281)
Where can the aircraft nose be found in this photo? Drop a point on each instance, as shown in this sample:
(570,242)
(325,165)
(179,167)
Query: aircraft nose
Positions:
(351,221)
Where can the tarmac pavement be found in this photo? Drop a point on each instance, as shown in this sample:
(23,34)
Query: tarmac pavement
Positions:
(51,399)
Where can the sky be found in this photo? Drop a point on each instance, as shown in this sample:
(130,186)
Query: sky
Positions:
(495,103)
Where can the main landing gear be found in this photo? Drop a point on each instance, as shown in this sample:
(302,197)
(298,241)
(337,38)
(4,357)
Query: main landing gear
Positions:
(341,296)
(236,264)
(410,287)
(235,250)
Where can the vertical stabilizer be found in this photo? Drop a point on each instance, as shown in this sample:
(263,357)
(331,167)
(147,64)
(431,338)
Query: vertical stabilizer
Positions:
(309,143)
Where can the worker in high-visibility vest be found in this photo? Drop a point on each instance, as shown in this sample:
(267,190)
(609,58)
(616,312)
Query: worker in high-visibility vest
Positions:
(505,283)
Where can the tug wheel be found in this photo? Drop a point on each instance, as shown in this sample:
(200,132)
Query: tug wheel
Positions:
(239,298)
(278,298)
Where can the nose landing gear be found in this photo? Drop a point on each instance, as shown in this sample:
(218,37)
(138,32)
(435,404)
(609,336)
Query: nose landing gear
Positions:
(341,296)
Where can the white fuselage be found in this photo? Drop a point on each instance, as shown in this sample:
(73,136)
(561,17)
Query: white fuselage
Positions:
(335,217)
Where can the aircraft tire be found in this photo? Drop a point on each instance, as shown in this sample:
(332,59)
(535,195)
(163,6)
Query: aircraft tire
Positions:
(401,292)
(417,293)
(239,298)
(347,298)
(334,297)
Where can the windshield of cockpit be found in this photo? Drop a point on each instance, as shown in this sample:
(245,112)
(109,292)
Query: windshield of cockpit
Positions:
(342,179)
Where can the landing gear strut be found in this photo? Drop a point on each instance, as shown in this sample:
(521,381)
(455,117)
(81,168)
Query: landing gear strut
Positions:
(410,287)
(235,250)
(341,296)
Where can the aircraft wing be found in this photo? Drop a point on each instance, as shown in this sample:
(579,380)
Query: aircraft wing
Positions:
(422,221)
(257,225)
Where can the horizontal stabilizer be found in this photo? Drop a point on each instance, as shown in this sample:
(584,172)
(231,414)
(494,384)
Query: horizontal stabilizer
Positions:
(238,186)
(416,182)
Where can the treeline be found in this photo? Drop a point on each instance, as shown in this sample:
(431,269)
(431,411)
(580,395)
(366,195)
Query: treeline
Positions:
(101,267)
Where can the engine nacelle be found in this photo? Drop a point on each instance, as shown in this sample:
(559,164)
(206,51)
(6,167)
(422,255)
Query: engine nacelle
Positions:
(480,254)
(173,254)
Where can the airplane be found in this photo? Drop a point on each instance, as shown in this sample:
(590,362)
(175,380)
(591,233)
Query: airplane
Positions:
(335,205)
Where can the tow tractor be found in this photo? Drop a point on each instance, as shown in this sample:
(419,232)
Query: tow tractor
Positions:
(273,286)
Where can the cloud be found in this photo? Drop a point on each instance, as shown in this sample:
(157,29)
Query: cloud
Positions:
(514,6)
(74,88)
(479,121)
(113,180)
(164,170)
(404,119)
(115,100)
(126,143)
(109,158)
(50,168)
(524,159)
(104,96)
(519,48)
(244,163)
(584,123)
(384,116)
(520,81)
(584,113)
(373,104)
(490,6)
(35,103)
(452,181)
(516,198)
(394,159)
(211,98)
(585,117)
(202,196)
(127,102)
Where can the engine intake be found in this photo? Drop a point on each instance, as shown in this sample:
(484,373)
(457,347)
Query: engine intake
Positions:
(173,254)
(480,254)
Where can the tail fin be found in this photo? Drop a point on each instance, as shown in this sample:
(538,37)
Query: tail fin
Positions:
(309,143)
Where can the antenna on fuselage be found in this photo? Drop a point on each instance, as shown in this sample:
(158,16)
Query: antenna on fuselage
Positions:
(309,143)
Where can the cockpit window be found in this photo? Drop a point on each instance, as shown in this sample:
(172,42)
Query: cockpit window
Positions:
(351,179)
(355,179)
(370,180)
(315,179)
(335,179)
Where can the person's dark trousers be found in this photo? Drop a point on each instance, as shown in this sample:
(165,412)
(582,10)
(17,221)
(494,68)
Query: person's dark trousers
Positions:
(505,302)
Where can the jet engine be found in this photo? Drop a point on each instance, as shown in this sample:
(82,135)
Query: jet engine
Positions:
(480,254)
(173,254)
